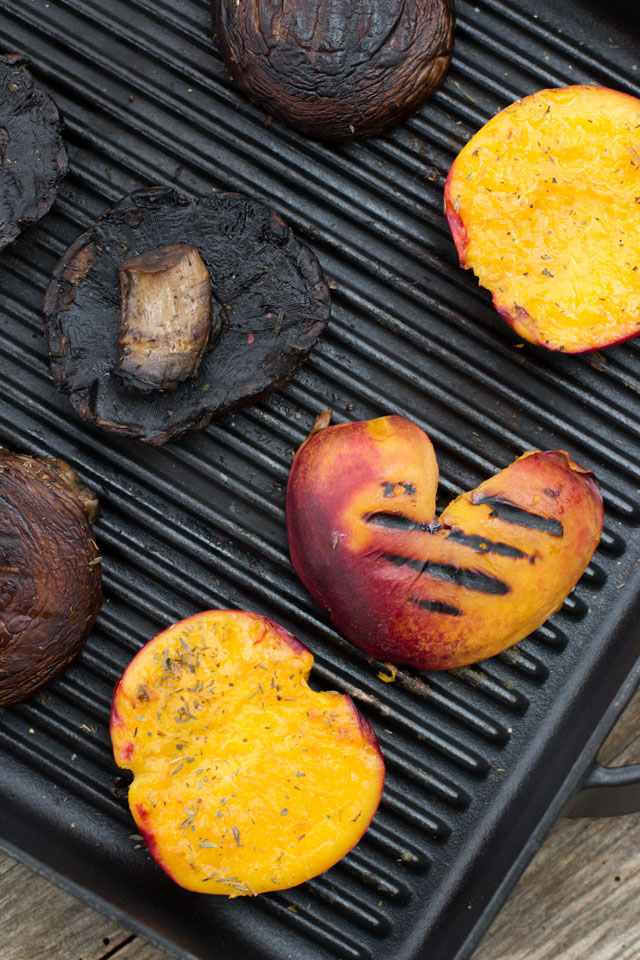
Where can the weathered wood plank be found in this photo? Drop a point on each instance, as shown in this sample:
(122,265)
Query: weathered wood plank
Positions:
(579,897)
(139,949)
(623,743)
(39,922)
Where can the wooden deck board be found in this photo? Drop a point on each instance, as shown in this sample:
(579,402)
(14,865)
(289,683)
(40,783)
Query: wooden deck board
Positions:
(578,899)
(38,921)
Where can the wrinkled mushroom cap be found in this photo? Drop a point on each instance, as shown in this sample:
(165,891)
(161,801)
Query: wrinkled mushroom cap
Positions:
(339,70)
(50,578)
(32,151)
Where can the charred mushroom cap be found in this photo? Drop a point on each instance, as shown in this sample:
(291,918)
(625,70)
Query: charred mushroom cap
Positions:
(265,284)
(338,70)
(50,578)
(33,158)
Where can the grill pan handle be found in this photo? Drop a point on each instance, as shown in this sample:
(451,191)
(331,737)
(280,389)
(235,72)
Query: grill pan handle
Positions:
(610,791)
(606,792)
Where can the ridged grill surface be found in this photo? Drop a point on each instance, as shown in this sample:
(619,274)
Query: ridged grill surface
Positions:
(200,523)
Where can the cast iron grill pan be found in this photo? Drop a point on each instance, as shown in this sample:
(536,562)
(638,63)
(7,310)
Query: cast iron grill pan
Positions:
(479,760)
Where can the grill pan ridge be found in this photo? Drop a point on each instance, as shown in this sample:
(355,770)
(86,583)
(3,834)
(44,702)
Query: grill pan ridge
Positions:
(480,760)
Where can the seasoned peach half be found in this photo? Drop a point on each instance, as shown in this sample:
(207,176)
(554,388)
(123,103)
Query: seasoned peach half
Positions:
(435,593)
(245,779)
(544,204)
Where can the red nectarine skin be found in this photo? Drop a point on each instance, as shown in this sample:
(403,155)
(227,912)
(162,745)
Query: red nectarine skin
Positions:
(543,206)
(409,589)
(245,779)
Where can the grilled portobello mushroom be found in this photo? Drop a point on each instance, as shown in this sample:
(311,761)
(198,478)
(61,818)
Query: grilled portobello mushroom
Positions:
(153,341)
(337,70)
(50,577)
(33,158)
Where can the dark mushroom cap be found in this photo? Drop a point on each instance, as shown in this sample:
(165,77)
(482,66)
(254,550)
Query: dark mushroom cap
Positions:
(336,70)
(33,158)
(50,578)
(269,287)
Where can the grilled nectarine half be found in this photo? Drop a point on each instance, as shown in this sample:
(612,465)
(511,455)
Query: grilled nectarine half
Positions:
(245,779)
(544,205)
(434,593)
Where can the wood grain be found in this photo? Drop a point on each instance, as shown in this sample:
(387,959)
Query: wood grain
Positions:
(40,922)
(578,899)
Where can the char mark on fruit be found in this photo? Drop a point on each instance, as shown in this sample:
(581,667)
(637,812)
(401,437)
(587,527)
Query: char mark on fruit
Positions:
(437,606)
(511,514)
(483,545)
(396,521)
(463,577)
(389,487)
(400,521)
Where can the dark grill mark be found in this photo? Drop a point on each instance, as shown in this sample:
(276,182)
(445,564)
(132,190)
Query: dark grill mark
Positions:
(511,514)
(471,579)
(400,521)
(390,488)
(482,545)
(397,521)
(437,607)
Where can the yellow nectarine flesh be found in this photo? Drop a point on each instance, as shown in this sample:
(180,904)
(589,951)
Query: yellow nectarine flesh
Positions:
(245,779)
(544,204)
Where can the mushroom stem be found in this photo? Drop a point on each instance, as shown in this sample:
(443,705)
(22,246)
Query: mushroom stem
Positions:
(166,317)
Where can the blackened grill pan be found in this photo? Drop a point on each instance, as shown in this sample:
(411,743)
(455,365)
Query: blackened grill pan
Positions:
(481,760)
